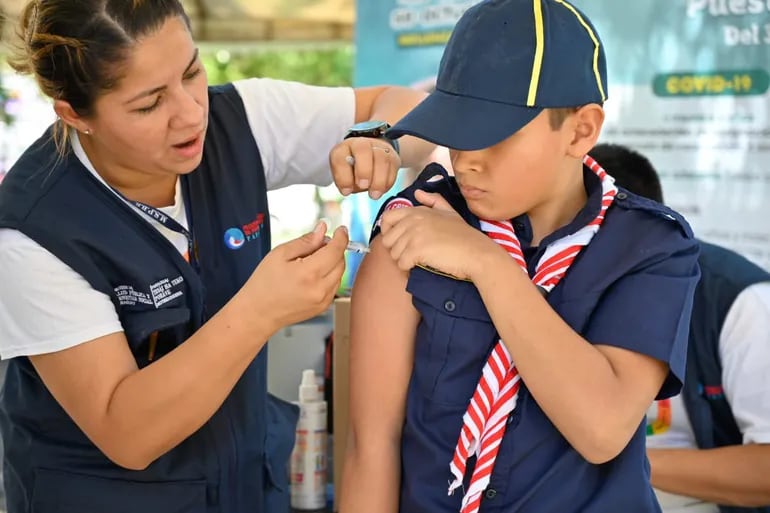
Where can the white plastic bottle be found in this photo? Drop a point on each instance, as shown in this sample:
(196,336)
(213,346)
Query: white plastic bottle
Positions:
(308,461)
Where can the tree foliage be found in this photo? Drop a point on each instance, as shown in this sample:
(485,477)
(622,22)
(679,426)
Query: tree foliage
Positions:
(325,66)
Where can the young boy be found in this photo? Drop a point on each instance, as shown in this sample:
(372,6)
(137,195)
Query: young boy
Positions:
(477,386)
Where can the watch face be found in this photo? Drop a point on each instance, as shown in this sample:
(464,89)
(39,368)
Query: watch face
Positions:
(366,126)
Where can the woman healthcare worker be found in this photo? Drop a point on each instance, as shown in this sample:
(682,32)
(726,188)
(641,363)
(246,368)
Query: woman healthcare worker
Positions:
(137,291)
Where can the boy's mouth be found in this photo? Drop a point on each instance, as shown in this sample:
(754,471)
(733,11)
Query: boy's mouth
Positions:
(469,192)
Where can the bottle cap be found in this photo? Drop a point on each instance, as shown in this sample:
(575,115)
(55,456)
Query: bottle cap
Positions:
(309,391)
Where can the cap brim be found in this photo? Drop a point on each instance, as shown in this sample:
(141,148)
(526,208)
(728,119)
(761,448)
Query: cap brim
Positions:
(463,123)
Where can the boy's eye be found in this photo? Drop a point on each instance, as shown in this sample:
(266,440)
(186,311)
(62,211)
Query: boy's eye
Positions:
(192,74)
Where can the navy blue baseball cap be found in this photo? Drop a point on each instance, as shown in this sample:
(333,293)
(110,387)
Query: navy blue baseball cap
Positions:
(505,62)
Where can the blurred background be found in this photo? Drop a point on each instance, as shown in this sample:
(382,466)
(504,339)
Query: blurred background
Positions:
(689,84)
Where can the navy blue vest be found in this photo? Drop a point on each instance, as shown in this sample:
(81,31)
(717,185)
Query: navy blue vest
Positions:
(724,275)
(226,466)
(537,471)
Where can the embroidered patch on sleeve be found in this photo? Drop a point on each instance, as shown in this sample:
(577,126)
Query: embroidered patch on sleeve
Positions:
(394,204)
(398,203)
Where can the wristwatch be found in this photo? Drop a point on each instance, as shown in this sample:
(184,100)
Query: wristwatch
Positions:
(373,129)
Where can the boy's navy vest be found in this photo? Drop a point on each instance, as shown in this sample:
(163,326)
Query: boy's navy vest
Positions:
(236,462)
(724,275)
(537,471)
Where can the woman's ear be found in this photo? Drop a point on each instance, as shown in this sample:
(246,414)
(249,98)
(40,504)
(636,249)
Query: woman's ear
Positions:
(71,118)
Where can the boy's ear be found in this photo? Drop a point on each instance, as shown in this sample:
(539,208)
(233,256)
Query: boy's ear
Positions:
(586,125)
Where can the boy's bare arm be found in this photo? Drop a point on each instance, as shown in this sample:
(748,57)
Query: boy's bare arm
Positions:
(383,329)
(572,380)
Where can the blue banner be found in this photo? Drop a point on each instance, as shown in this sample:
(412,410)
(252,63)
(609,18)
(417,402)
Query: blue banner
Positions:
(688,87)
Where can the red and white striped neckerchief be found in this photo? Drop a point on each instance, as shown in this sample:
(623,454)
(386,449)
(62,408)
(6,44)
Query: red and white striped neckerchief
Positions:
(495,397)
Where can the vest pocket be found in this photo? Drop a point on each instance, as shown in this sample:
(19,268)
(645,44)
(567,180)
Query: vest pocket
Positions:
(139,325)
(153,333)
(56,491)
(282,420)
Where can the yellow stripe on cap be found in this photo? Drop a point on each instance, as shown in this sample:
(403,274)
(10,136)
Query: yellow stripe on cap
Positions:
(596,45)
(538,64)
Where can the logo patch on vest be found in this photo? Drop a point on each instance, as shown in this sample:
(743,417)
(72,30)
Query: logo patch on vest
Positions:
(234,238)
(237,236)
(161,292)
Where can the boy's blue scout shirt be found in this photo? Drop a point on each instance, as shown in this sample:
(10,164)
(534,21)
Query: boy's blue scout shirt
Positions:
(631,287)
(237,461)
